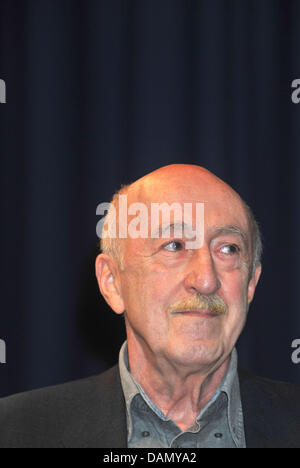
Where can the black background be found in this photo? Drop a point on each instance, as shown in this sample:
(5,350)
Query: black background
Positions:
(100,92)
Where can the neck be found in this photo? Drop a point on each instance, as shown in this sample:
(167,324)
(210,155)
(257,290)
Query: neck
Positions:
(180,393)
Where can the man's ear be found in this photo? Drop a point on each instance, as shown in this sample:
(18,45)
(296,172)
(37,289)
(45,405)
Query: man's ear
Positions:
(107,273)
(253,282)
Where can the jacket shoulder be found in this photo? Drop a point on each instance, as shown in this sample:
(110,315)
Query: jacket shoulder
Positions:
(38,418)
(271,411)
(275,389)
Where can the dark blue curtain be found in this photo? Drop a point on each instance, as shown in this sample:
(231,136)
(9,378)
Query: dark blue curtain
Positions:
(100,92)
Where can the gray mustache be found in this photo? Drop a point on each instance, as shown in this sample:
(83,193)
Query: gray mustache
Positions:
(213,303)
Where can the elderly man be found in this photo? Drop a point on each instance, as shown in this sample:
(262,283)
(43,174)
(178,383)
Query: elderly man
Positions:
(184,285)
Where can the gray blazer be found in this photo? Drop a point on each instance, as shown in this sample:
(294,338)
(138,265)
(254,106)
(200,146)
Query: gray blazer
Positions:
(91,413)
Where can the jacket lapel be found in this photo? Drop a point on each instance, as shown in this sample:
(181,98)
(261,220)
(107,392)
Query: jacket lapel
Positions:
(100,422)
(254,433)
(270,418)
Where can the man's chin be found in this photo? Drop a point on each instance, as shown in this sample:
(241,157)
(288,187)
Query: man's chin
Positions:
(197,355)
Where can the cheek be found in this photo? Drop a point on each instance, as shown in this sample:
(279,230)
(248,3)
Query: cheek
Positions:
(158,279)
(143,288)
(148,292)
(234,292)
(235,296)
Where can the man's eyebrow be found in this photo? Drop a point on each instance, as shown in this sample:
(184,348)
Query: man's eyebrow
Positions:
(223,230)
(170,227)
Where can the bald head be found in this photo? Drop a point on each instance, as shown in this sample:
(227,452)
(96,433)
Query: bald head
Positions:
(164,180)
(184,183)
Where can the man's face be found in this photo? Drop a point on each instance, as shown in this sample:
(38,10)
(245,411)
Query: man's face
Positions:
(161,276)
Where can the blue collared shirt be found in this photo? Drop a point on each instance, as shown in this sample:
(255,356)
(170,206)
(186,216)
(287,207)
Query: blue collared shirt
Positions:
(218,425)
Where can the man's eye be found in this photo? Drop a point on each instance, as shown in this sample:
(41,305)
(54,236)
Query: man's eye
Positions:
(173,246)
(230,249)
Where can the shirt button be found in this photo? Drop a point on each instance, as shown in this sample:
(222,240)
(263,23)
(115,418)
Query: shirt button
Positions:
(218,435)
(145,434)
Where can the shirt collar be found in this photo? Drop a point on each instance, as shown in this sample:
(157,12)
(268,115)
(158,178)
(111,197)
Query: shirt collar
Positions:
(229,386)
(129,385)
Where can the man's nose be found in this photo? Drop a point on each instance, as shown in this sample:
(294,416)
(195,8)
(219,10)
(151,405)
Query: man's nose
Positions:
(201,275)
